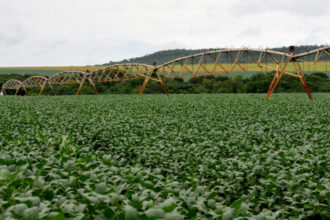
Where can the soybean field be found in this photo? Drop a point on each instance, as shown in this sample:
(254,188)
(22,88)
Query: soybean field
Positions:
(205,156)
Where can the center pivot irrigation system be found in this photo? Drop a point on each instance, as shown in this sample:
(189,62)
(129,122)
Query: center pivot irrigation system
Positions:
(222,61)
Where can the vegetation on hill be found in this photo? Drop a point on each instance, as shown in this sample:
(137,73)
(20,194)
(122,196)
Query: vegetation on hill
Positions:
(164,56)
(167,55)
(257,83)
(45,70)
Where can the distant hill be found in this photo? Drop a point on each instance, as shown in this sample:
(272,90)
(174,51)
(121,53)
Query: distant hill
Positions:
(167,55)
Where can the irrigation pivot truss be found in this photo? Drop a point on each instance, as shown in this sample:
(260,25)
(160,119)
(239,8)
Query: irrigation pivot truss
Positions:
(34,82)
(215,62)
(127,71)
(69,78)
(120,72)
(241,60)
(31,82)
(12,84)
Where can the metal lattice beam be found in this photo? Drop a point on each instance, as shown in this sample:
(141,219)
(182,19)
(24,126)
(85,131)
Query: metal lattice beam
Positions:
(35,82)
(70,78)
(202,64)
(12,84)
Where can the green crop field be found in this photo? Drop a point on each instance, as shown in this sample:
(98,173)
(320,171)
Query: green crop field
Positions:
(157,157)
(28,71)
(251,69)
(45,71)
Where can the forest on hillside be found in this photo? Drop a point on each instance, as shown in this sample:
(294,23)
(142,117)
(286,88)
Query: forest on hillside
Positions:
(167,55)
(257,83)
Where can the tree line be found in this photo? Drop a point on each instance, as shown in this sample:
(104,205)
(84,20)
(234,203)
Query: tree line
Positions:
(257,83)
(167,55)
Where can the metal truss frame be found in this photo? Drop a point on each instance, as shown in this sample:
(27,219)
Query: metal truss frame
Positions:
(34,82)
(69,78)
(214,62)
(127,71)
(12,84)
(197,65)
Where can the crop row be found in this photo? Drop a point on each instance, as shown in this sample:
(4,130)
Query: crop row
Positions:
(183,156)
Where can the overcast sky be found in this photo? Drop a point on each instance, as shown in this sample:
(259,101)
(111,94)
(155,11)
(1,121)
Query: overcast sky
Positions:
(82,32)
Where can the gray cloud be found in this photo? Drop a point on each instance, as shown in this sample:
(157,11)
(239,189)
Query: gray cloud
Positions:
(11,36)
(305,8)
(79,32)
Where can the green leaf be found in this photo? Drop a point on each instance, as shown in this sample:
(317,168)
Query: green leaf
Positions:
(228,214)
(237,204)
(59,216)
(168,205)
(31,213)
(101,188)
(5,174)
(108,213)
(155,213)
(131,213)
(174,216)
(19,209)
